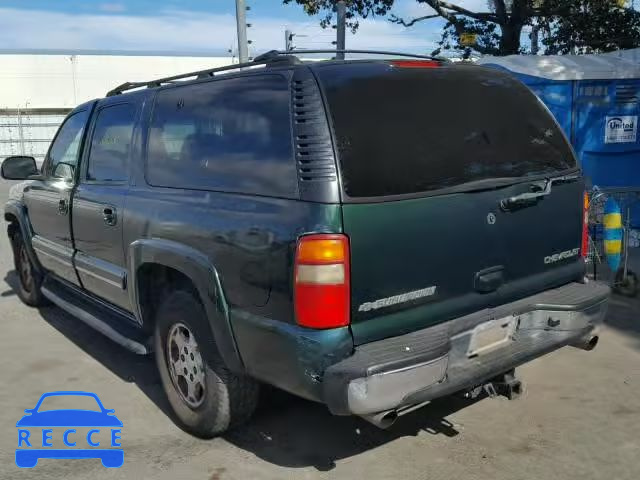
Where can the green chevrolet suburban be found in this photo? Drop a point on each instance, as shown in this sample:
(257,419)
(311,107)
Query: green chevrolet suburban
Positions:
(370,234)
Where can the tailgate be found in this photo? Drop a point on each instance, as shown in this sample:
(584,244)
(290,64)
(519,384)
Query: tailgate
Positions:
(426,156)
(418,262)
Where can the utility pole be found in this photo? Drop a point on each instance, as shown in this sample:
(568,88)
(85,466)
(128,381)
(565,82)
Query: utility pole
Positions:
(241,20)
(535,39)
(288,40)
(341,9)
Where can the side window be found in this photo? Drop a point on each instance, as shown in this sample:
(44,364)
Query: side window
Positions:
(63,154)
(231,135)
(111,143)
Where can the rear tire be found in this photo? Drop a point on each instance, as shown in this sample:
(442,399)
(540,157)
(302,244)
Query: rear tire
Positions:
(206,397)
(29,279)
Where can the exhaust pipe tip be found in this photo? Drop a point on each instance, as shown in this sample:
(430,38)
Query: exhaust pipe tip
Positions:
(592,343)
(382,420)
(387,418)
(588,344)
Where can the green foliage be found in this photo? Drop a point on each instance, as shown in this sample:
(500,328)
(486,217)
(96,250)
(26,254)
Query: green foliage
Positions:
(565,26)
(589,26)
(355,9)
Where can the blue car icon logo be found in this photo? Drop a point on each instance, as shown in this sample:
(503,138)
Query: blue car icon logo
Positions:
(41,426)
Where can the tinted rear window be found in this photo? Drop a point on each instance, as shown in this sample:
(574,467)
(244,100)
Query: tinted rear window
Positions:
(408,130)
(231,135)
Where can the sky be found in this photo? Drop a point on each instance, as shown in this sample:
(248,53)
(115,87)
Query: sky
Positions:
(197,26)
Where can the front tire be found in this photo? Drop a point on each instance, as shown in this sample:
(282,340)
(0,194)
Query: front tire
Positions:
(206,397)
(29,278)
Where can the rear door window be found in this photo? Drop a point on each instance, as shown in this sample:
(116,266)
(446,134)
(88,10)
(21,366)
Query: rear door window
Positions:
(231,135)
(410,130)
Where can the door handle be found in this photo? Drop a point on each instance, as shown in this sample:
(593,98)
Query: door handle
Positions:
(109,216)
(63,206)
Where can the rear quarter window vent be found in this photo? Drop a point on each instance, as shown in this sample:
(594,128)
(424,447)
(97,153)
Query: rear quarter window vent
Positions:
(314,154)
(626,95)
(307,104)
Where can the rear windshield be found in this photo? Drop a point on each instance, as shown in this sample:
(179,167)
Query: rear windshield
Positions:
(409,130)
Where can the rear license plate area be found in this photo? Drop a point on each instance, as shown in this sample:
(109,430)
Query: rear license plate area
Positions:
(491,335)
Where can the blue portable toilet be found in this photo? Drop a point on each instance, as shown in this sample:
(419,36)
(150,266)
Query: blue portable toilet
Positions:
(596,100)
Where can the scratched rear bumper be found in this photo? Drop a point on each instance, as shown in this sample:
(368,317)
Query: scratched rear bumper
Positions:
(434,362)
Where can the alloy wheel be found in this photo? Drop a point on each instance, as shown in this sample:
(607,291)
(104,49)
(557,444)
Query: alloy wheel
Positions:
(185,365)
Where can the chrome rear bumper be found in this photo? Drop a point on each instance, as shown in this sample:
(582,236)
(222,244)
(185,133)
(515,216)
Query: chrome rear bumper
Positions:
(434,362)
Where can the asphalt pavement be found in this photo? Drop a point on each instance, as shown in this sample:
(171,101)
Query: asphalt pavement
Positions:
(578,419)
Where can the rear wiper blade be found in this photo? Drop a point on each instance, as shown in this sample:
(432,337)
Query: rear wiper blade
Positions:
(485,184)
(544,189)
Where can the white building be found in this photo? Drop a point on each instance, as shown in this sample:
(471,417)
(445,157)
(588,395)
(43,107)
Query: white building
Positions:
(37,89)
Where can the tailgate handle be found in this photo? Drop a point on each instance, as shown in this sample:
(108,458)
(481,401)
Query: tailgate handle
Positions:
(489,279)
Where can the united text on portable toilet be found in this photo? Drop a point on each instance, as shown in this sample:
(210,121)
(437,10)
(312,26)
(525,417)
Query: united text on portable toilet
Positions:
(596,100)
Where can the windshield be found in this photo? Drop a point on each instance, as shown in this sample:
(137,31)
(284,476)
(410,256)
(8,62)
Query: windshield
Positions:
(409,130)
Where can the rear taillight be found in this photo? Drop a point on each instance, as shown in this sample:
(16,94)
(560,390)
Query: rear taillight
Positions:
(416,63)
(585,226)
(321,282)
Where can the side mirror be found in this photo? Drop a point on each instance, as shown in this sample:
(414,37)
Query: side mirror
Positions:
(29,410)
(19,168)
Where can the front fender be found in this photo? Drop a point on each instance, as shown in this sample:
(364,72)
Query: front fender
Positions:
(15,209)
(199,269)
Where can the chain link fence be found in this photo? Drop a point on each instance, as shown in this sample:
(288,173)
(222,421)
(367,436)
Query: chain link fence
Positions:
(28,131)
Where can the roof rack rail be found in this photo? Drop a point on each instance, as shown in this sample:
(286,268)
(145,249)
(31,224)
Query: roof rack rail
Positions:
(273,54)
(267,58)
(209,72)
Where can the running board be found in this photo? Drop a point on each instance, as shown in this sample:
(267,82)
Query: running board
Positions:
(106,320)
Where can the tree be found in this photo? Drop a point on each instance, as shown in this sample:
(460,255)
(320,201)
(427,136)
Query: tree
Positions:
(497,31)
(355,9)
(590,25)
